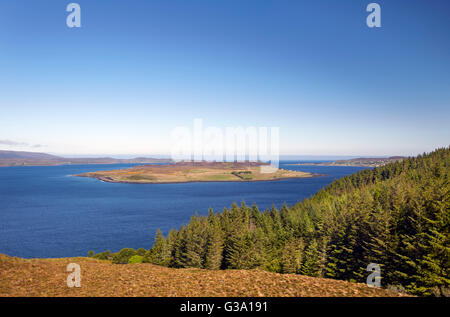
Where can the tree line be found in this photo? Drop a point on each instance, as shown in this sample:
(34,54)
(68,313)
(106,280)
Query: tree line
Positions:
(397,216)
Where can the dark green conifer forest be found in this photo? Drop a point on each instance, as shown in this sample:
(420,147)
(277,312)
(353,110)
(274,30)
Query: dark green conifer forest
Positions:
(397,216)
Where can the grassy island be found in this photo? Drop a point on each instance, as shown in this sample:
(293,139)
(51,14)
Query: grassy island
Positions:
(184,172)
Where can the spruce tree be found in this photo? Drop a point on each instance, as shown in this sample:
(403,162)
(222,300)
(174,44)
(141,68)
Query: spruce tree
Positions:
(311,260)
(215,245)
(291,256)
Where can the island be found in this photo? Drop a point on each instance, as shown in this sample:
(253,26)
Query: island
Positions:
(185,172)
(361,162)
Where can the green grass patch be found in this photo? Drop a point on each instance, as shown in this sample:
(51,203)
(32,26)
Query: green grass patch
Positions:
(220,177)
(141,178)
(135,259)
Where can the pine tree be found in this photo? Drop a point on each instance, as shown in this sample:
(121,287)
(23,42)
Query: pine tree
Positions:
(311,260)
(291,256)
(433,274)
(159,254)
(194,243)
(215,245)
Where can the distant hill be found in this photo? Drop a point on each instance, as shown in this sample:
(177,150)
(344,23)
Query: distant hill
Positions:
(361,161)
(20,158)
(47,277)
(27,155)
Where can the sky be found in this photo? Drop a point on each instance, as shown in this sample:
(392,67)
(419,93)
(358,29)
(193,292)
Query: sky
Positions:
(137,70)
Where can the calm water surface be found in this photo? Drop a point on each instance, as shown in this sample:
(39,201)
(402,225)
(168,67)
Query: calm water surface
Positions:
(45,212)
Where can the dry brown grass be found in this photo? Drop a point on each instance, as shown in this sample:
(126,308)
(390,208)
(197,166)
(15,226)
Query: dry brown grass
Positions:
(47,277)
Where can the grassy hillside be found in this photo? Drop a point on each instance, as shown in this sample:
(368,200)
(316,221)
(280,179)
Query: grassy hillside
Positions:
(47,277)
(397,216)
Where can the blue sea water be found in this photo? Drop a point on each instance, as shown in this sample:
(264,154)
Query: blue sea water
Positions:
(45,212)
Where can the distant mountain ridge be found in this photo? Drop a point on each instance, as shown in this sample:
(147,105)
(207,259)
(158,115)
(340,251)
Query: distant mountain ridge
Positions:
(22,158)
(26,155)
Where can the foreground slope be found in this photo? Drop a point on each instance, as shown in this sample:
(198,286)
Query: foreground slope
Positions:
(47,277)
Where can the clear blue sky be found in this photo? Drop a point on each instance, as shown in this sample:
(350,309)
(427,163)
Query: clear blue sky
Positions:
(135,70)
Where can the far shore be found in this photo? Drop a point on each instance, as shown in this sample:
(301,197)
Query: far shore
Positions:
(356,162)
